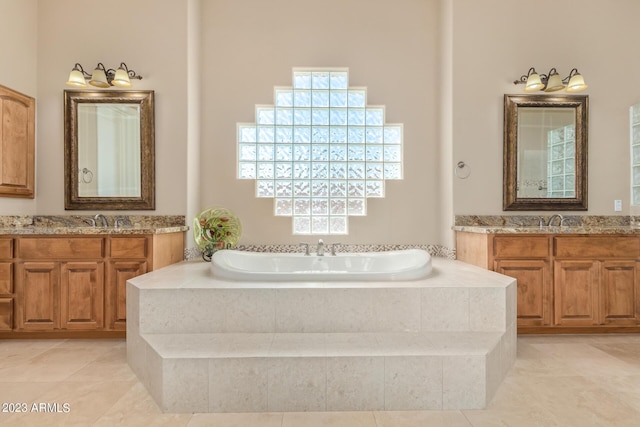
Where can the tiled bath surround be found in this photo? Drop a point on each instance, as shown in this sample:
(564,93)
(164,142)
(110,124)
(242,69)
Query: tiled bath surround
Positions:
(203,345)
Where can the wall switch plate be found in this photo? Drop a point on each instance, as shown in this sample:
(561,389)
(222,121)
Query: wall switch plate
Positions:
(617,205)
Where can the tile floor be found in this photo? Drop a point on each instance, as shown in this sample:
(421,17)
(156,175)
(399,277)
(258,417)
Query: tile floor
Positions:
(561,381)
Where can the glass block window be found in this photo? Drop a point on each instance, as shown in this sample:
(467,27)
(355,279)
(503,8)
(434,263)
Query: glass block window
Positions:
(320,151)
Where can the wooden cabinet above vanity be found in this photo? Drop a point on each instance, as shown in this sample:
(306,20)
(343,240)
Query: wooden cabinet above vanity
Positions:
(567,283)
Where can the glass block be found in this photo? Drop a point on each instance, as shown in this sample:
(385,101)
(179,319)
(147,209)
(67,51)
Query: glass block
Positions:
(320,98)
(355,189)
(284,153)
(302,152)
(264,188)
(338,225)
(247,133)
(557,167)
(319,224)
(374,135)
(357,116)
(319,206)
(320,188)
(556,135)
(357,98)
(636,134)
(374,153)
(301,188)
(375,188)
(338,98)
(284,170)
(265,115)
(266,134)
(338,188)
(636,154)
(284,116)
(356,170)
(302,98)
(569,182)
(392,171)
(284,207)
(393,134)
(338,134)
(247,170)
(338,206)
(338,116)
(284,134)
(302,134)
(557,152)
(375,116)
(569,133)
(247,152)
(356,207)
(338,170)
(265,152)
(636,174)
(392,153)
(284,98)
(339,80)
(320,80)
(356,135)
(635,113)
(320,134)
(302,170)
(356,153)
(301,207)
(319,152)
(302,80)
(320,116)
(337,153)
(302,116)
(301,225)
(284,188)
(636,196)
(569,166)
(557,183)
(375,170)
(319,170)
(570,151)
(265,171)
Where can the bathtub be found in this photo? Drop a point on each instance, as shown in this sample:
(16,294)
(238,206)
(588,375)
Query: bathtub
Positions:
(409,264)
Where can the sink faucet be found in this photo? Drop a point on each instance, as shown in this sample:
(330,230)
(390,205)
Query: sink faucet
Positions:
(102,218)
(320,248)
(560,217)
(306,248)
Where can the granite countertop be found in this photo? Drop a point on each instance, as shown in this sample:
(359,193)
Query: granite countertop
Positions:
(529,224)
(81,225)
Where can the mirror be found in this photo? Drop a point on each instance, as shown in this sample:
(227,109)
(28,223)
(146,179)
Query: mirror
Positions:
(109,147)
(545,152)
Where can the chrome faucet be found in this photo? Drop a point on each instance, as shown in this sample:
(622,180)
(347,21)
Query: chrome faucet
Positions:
(306,248)
(333,248)
(121,221)
(320,248)
(102,218)
(560,217)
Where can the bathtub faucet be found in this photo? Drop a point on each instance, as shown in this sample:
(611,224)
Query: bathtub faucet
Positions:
(320,248)
(306,248)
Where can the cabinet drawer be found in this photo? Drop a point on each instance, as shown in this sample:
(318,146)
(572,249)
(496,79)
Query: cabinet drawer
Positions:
(6,314)
(60,248)
(6,275)
(520,247)
(597,247)
(129,247)
(6,248)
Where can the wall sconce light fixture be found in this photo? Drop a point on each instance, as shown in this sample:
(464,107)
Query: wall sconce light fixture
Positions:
(102,77)
(552,81)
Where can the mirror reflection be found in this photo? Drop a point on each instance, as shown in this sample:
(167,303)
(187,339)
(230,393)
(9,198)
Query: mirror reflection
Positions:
(545,152)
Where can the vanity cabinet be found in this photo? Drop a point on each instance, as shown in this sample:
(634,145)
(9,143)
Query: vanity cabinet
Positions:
(72,286)
(566,283)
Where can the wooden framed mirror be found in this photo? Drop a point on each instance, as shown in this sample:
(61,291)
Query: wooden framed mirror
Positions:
(545,152)
(109,150)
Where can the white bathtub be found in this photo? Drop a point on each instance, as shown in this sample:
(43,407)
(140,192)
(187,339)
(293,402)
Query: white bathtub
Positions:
(410,264)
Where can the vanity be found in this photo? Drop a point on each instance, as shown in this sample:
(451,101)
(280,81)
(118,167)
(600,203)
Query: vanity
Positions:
(60,278)
(573,279)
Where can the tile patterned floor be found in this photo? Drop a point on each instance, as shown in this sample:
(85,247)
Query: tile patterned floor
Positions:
(562,381)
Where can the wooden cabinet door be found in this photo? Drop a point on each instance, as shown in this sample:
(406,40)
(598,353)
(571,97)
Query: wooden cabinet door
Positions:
(620,293)
(38,296)
(82,295)
(116,303)
(576,293)
(534,289)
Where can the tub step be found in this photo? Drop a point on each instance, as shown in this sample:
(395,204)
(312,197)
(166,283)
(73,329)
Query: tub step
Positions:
(264,372)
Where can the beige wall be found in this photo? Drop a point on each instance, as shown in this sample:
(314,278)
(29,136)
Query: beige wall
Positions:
(441,67)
